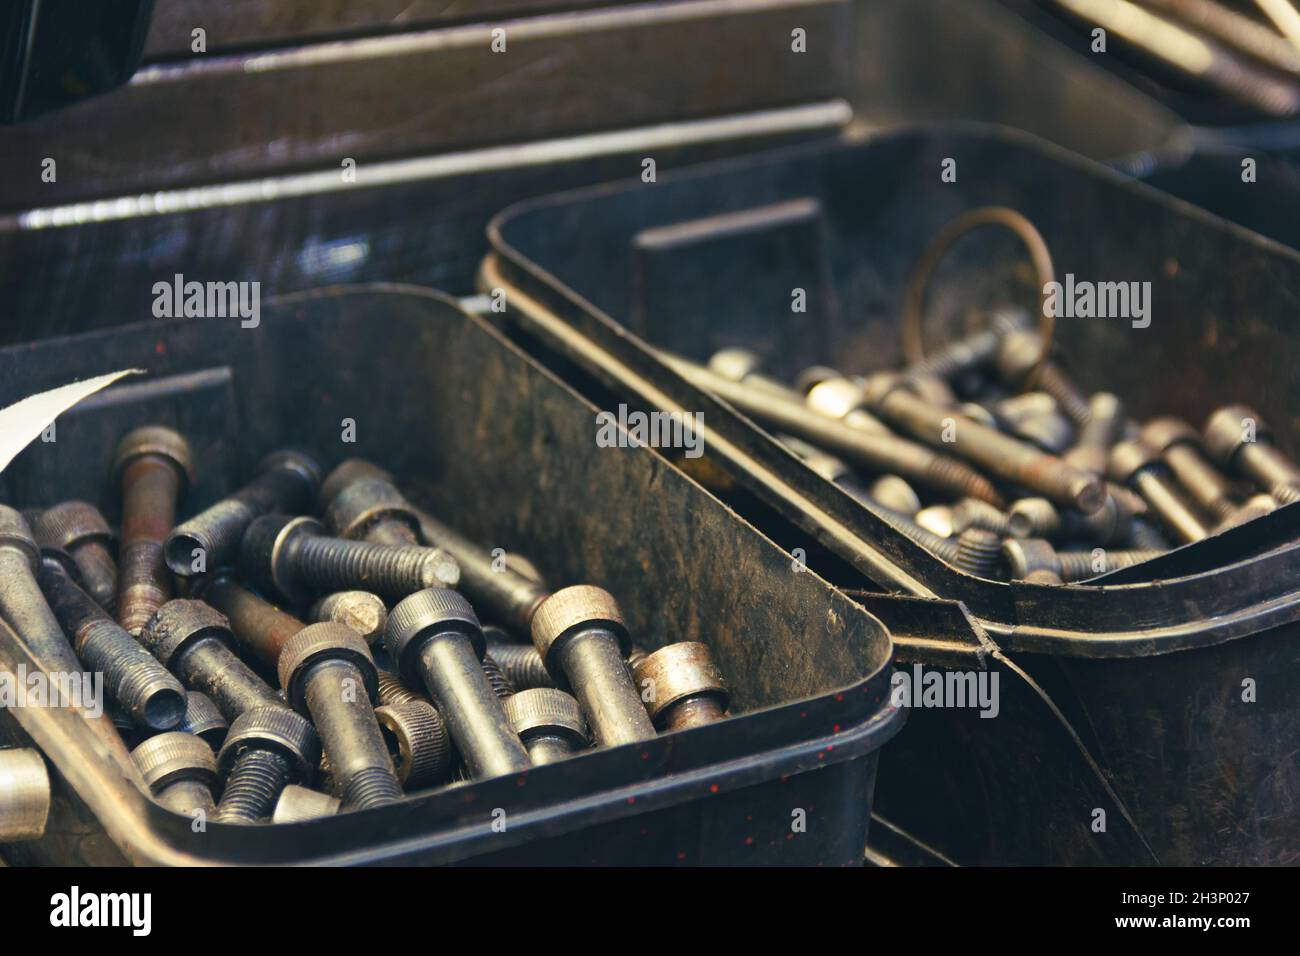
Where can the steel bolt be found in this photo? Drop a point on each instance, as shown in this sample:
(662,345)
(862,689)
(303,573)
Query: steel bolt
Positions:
(1255,507)
(1038,518)
(841,398)
(502,685)
(362,611)
(958,358)
(744,365)
(1012,460)
(203,720)
(193,641)
(372,509)
(258,625)
(580,635)
(394,690)
(267,749)
(682,687)
(299,803)
(435,639)
(286,481)
(1024,556)
(549,722)
(1017,357)
(153,466)
(348,471)
(973,513)
(1136,465)
(24,795)
(296,559)
(132,676)
(326,670)
(78,528)
(180,770)
(1260,460)
(974,550)
(416,736)
(1105,424)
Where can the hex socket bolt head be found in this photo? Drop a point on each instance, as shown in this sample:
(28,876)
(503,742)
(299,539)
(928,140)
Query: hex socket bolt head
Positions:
(25,786)
(203,720)
(159,441)
(276,729)
(345,473)
(78,528)
(570,611)
(316,644)
(300,803)
(549,722)
(285,480)
(1127,458)
(173,757)
(1225,431)
(363,612)
(1024,556)
(682,686)
(423,616)
(1166,431)
(181,622)
(16,533)
(361,504)
(417,734)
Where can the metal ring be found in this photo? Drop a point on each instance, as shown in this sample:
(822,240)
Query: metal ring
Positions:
(913,349)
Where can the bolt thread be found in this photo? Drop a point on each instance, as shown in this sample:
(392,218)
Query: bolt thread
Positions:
(974,513)
(253,786)
(371,787)
(522,665)
(144,584)
(1081,565)
(978,552)
(959,480)
(957,357)
(1145,536)
(142,686)
(1285,493)
(1053,380)
(393,690)
(336,564)
(501,684)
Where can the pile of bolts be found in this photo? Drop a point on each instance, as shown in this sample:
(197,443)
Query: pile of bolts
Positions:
(998,464)
(193,626)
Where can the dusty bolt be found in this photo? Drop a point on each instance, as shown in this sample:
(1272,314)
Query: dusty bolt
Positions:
(299,803)
(1179,445)
(24,795)
(973,513)
(286,481)
(267,749)
(194,642)
(549,722)
(326,670)
(1024,556)
(394,690)
(1226,435)
(259,626)
(1017,357)
(153,467)
(293,557)
(203,720)
(78,528)
(372,509)
(682,687)
(580,635)
(875,452)
(180,770)
(1012,460)
(521,663)
(435,639)
(974,550)
(1135,465)
(417,740)
(362,611)
(144,688)
(1106,420)
(348,471)
(1038,518)
(958,359)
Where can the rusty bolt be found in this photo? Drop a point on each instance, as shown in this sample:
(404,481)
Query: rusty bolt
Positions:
(682,686)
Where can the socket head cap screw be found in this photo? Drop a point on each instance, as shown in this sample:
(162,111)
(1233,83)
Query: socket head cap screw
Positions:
(549,711)
(1161,433)
(178,623)
(345,473)
(259,554)
(1024,556)
(1223,431)
(423,752)
(1127,458)
(678,671)
(166,758)
(16,533)
(323,642)
(423,616)
(69,523)
(572,609)
(361,503)
(295,459)
(272,728)
(154,440)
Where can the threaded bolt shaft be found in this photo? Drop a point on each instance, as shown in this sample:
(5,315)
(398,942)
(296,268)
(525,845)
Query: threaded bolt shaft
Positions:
(501,684)
(253,786)
(332,564)
(522,665)
(394,690)
(1082,565)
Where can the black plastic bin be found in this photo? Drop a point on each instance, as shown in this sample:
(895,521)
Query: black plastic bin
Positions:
(1131,694)
(503,450)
